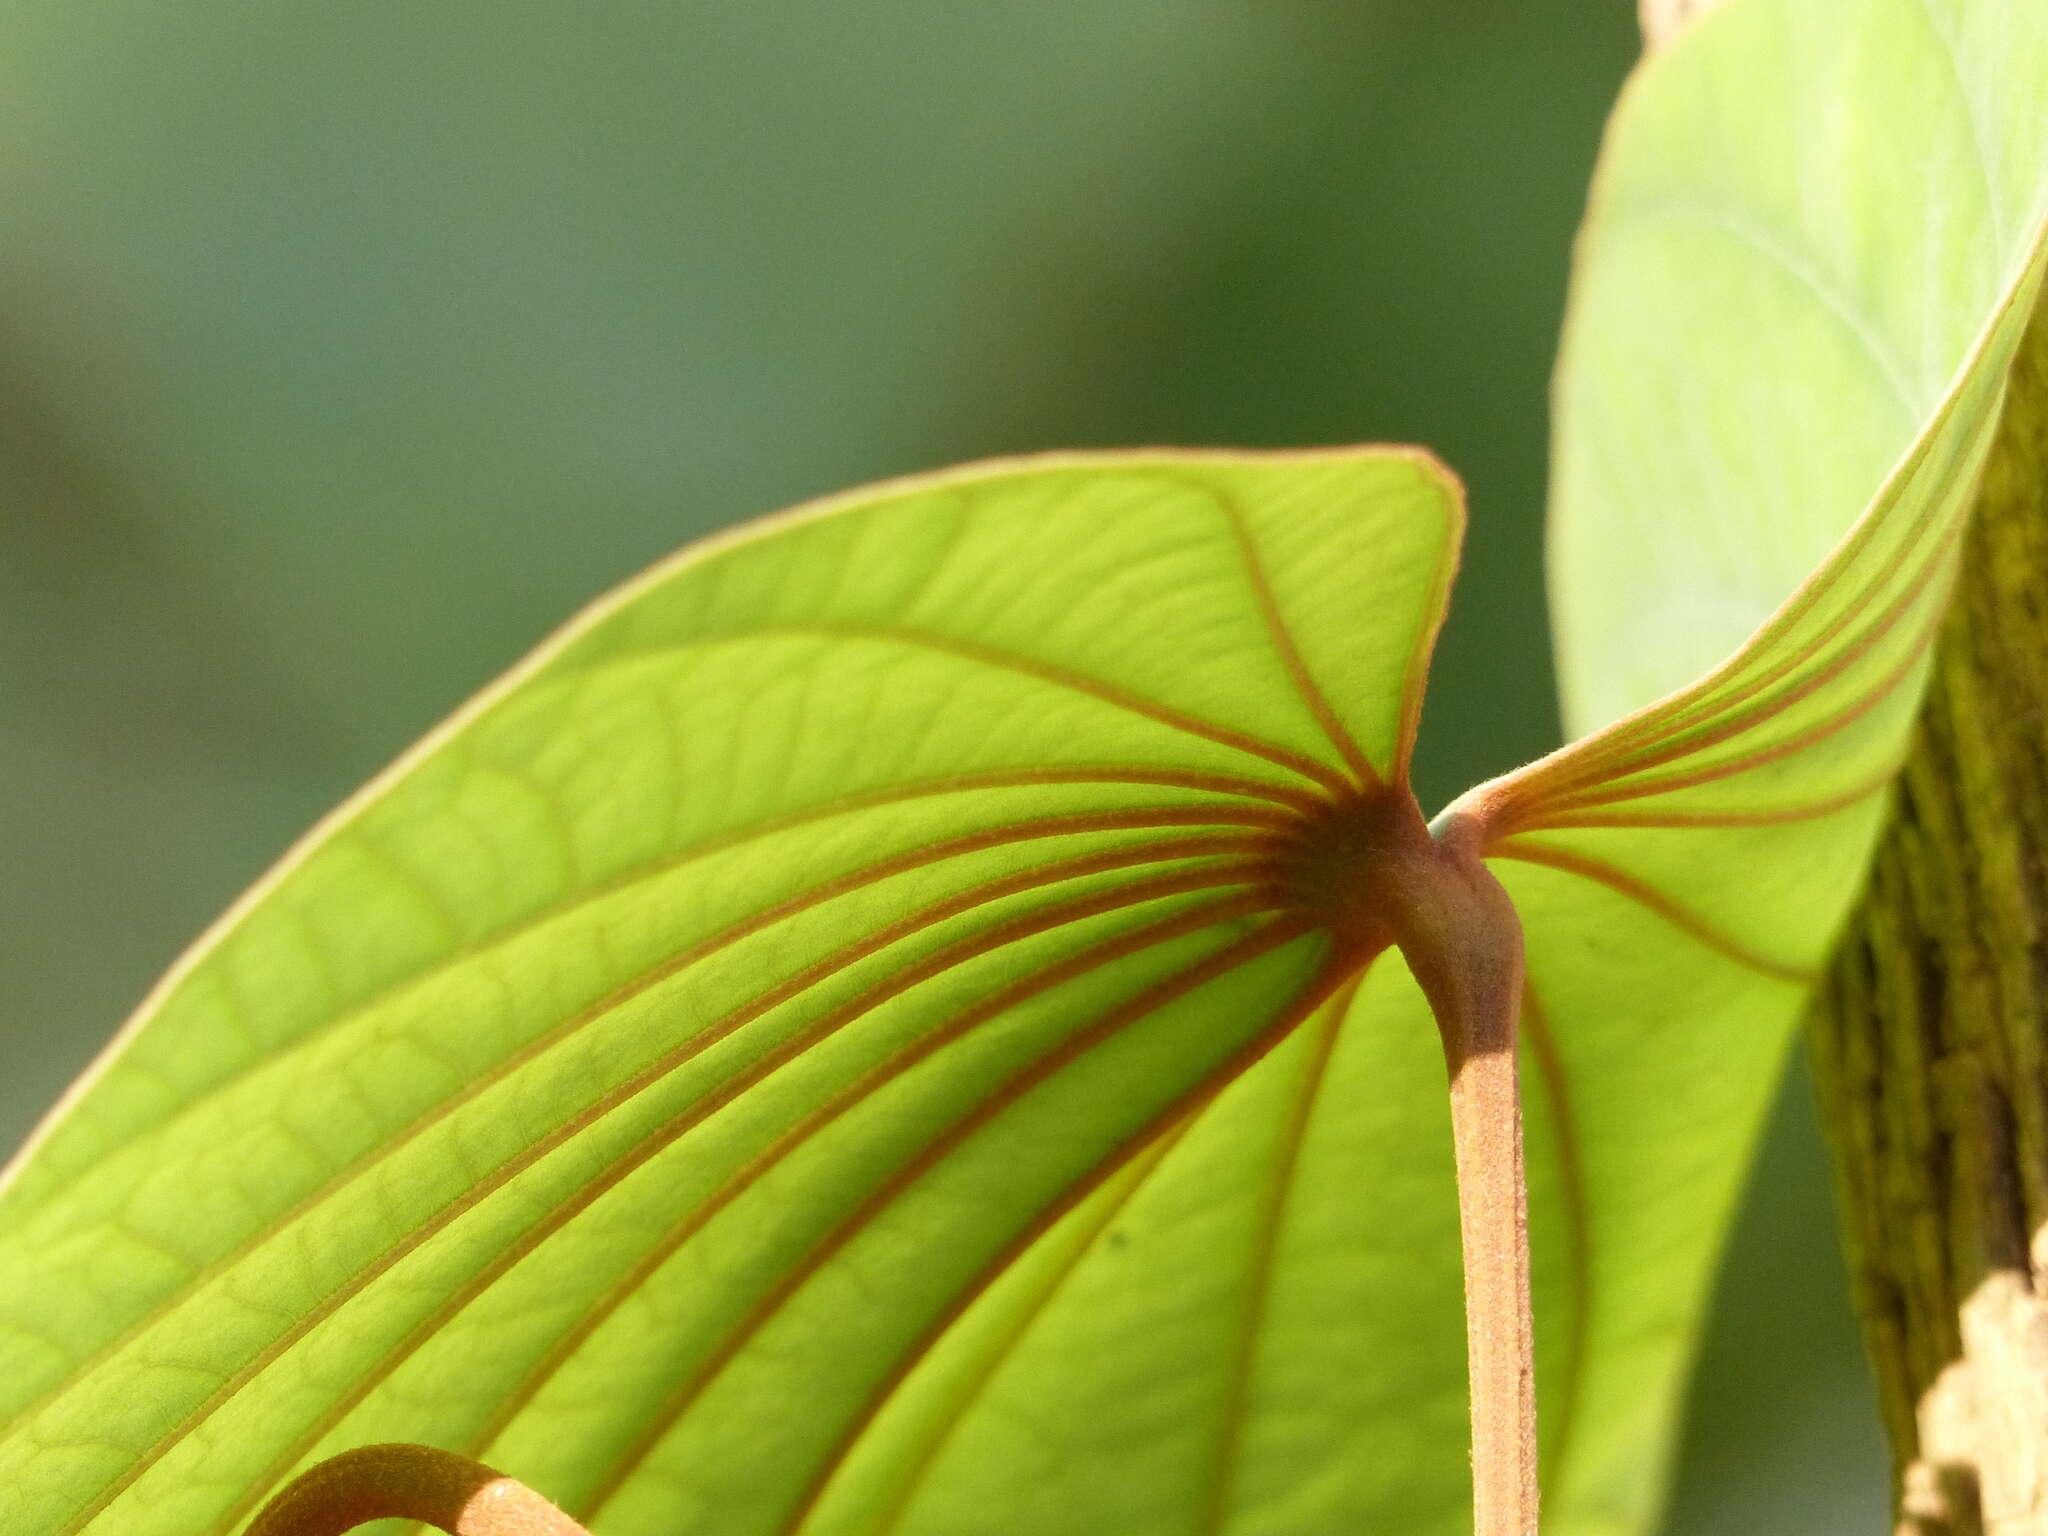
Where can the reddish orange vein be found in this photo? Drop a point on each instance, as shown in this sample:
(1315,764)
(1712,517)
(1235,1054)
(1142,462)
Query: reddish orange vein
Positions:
(1758,816)
(1522,802)
(1291,659)
(1265,1253)
(1415,678)
(1799,741)
(1648,897)
(869,874)
(1730,722)
(1010,931)
(948,1031)
(1158,1137)
(1074,682)
(1153,1153)
(1661,720)
(1747,678)
(1222,815)
(1733,722)
(1073,1048)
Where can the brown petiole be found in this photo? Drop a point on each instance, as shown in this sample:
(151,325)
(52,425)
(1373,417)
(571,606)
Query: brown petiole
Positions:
(1385,877)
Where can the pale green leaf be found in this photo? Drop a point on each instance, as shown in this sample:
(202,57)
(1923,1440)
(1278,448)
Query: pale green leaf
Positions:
(1813,246)
(1803,219)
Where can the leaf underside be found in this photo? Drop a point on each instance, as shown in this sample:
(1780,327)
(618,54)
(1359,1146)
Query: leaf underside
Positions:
(849,1038)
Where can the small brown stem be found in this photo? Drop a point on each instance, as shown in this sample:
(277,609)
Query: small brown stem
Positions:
(409,1482)
(1460,935)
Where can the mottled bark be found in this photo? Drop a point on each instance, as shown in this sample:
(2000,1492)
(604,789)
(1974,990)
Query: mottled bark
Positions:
(1930,1041)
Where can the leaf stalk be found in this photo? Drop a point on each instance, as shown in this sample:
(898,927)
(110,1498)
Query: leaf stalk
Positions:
(1462,939)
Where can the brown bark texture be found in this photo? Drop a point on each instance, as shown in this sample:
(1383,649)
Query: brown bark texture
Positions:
(1930,1038)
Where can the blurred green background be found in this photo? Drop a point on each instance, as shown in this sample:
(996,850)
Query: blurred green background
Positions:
(345,349)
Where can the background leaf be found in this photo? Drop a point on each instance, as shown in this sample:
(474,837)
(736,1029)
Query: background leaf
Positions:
(1813,247)
(1682,876)
(1801,223)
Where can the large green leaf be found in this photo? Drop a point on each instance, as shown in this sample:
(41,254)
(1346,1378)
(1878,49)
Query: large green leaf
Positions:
(846,1038)
(839,935)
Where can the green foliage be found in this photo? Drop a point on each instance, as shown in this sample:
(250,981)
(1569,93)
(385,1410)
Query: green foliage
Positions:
(744,940)
(1802,221)
(850,1037)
